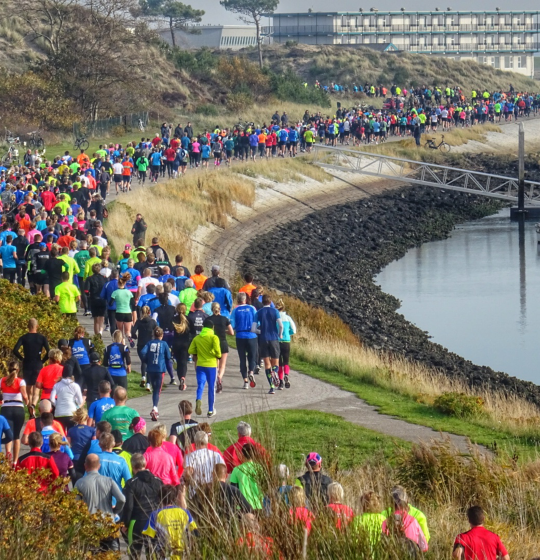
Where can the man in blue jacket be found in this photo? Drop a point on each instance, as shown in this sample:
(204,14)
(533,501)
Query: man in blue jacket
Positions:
(242,319)
(157,357)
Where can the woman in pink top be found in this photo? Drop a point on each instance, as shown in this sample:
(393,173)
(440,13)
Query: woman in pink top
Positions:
(172,449)
(405,524)
(196,150)
(158,461)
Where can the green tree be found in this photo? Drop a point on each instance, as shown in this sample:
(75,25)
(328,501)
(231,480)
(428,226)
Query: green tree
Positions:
(253,11)
(177,14)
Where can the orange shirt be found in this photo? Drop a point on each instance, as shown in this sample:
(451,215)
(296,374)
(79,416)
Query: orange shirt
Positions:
(128,166)
(48,376)
(81,158)
(198,280)
(56,426)
(26,225)
(262,138)
(247,289)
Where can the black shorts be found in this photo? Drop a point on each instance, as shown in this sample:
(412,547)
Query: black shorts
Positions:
(124,317)
(30,374)
(98,307)
(330,136)
(39,279)
(282,144)
(118,178)
(269,349)
(295,143)
(15,417)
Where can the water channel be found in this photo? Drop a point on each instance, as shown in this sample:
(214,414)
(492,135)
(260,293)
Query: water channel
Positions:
(476,293)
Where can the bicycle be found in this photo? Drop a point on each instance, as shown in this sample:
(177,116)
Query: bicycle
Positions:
(10,138)
(442,146)
(81,143)
(36,140)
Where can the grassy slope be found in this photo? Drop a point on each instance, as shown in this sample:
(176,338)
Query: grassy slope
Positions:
(350,65)
(295,433)
(408,409)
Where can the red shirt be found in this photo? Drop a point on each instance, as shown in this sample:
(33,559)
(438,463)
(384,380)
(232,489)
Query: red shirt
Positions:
(48,376)
(35,460)
(65,240)
(170,154)
(302,516)
(193,448)
(232,452)
(48,199)
(263,545)
(344,514)
(156,141)
(480,544)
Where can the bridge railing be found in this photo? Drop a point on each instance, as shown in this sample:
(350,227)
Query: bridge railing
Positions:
(423,173)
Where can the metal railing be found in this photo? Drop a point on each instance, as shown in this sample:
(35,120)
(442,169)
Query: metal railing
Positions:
(480,47)
(426,174)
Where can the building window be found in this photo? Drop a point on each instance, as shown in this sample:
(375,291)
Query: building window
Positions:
(508,61)
(497,61)
(519,62)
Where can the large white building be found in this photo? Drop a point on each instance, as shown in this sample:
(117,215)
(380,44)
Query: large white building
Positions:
(503,39)
(233,37)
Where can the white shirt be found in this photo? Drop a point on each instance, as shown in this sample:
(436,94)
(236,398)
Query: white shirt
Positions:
(143,282)
(203,462)
(118,168)
(173,300)
(68,397)
(101,241)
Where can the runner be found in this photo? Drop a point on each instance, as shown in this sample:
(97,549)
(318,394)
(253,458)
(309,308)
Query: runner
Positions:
(222,328)
(289,329)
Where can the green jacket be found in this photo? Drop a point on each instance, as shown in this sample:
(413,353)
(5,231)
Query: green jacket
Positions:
(187,297)
(418,515)
(206,347)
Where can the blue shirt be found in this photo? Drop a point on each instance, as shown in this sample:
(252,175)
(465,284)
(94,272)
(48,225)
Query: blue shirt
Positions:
(157,356)
(155,158)
(46,432)
(106,293)
(267,318)
(242,318)
(97,408)
(78,350)
(143,300)
(114,467)
(205,151)
(5,430)
(6,254)
(79,436)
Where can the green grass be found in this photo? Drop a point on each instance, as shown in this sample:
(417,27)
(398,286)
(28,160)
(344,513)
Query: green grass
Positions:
(408,409)
(134,391)
(295,433)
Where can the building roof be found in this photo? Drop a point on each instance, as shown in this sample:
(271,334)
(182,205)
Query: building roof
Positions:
(397,13)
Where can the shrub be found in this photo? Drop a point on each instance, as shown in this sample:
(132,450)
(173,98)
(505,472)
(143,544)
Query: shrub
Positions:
(208,110)
(239,101)
(53,525)
(201,61)
(460,405)
(288,87)
(18,306)
(239,74)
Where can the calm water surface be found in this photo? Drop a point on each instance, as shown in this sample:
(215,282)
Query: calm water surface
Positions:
(476,293)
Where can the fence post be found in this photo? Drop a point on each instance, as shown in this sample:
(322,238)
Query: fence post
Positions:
(304,545)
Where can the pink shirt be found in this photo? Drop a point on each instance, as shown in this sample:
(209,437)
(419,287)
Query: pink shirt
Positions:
(31,234)
(411,529)
(174,451)
(196,147)
(161,464)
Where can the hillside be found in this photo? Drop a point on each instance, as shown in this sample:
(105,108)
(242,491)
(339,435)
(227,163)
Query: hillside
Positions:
(348,65)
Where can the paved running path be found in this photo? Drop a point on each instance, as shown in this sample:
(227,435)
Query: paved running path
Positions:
(225,247)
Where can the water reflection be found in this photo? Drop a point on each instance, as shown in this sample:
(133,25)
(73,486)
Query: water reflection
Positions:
(470,293)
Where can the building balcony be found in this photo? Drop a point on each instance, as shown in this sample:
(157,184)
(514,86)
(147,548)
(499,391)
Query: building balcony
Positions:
(470,47)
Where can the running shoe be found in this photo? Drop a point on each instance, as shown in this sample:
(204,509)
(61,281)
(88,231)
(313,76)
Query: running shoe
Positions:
(198,407)
(182,385)
(149,387)
(87,313)
(106,328)
(219,386)
(281,386)
(154,414)
(211,413)
(257,370)
(246,385)
(143,381)
(31,411)
(252,383)
(131,342)
(190,359)
(173,381)
(272,391)
(287,382)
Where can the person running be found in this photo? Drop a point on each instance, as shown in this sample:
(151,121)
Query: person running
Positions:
(206,351)
(124,306)
(157,356)
(66,397)
(120,416)
(180,344)
(67,295)
(478,542)
(143,332)
(35,349)
(343,514)
(36,460)
(118,360)
(371,520)
(49,375)
(222,328)
(183,432)
(81,347)
(80,433)
(13,389)
(289,329)
(242,319)
(268,326)
(314,482)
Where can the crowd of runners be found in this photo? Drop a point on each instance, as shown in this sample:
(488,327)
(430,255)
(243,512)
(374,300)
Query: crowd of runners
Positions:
(52,241)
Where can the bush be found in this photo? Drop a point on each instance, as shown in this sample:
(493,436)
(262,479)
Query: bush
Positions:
(239,101)
(460,405)
(288,87)
(240,75)
(208,110)
(53,525)
(18,306)
(202,60)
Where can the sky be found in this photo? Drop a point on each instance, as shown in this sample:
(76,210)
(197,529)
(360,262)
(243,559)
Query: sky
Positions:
(217,15)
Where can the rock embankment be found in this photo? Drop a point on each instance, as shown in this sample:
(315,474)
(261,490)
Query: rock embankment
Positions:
(329,259)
